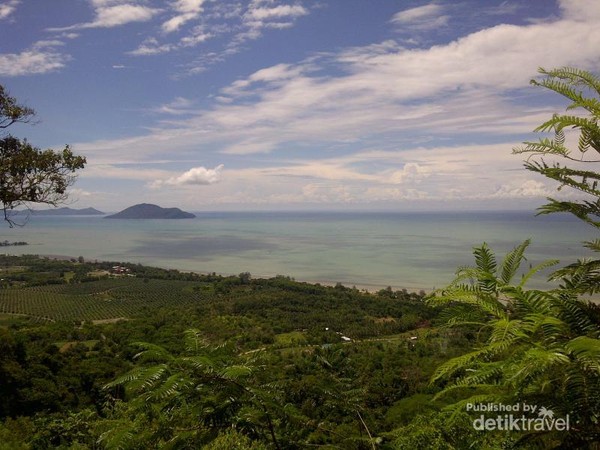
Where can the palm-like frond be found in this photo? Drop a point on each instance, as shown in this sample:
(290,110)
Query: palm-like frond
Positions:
(545,345)
(148,378)
(169,388)
(572,76)
(119,436)
(236,372)
(194,340)
(587,351)
(151,353)
(208,384)
(460,363)
(537,269)
(512,262)
(533,362)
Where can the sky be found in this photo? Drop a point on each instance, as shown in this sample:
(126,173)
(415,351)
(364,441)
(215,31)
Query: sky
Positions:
(290,104)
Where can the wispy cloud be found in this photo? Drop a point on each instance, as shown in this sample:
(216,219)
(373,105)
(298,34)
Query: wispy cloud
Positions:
(151,46)
(423,18)
(179,106)
(8,8)
(185,11)
(261,15)
(194,22)
(41,57)
(382,97)
(114,13)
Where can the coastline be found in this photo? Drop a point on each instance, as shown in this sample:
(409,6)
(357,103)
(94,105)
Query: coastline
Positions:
(365,287)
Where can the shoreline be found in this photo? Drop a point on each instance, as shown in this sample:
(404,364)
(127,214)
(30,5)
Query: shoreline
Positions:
(366,287)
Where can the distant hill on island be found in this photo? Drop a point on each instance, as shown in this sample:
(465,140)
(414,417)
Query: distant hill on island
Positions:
(67,212)
(149,211)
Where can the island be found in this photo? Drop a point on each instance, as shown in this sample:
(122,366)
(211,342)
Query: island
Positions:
(67,212)
(58,212)
(9,244)
(149,211)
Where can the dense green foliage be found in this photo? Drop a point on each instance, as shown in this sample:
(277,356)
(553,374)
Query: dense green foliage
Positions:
(28,174)
(266,366)
(534,347)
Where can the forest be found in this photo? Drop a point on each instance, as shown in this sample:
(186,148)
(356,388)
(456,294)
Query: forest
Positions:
(254,348)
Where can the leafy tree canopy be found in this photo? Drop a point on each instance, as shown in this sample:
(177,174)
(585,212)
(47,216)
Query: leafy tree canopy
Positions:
(11,111)
(28,174)
(538,346)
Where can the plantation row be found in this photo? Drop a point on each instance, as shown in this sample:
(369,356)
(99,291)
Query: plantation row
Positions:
(104,299)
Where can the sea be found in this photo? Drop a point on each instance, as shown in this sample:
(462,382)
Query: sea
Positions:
(368,250)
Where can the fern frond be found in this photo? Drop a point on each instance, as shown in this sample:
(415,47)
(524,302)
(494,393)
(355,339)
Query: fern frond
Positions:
(534,270)
(194,340)
(485,259)
(512,262)
(544,146)
(199,362)
(148,378)
(169,389)
(534,361)
(151,353)
(574,76)
(463,362)
(559,122)
(505,330)
(119,437)
(587,351)
(235,372)
(132,375)
(470,296)
(593,245)
(533,301)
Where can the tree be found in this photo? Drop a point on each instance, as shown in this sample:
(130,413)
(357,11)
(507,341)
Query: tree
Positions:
(11,112)
(28,174)
(539,347)
(582,88)
(187,400)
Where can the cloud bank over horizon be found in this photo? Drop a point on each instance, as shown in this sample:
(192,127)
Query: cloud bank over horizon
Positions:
(223,99)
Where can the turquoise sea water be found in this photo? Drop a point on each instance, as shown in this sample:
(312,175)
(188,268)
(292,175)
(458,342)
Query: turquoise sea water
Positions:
(368,250)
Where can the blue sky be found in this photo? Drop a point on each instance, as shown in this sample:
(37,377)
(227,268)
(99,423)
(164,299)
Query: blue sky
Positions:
(283,104)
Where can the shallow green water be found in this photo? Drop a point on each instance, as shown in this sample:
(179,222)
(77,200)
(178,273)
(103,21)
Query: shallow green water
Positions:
(371,250)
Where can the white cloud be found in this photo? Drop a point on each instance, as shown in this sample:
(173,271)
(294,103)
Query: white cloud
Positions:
(410,173)
(264,15)
(76,194)
(177,107)
(580,10)
(187,10)
(528,188)
(196,176)
(40,58)
(8,8)
(197,36)
(276,12)
(174,23)
(151,47)
(418,13)
(115,13)
(425,17)
(115,16)
(381,97)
